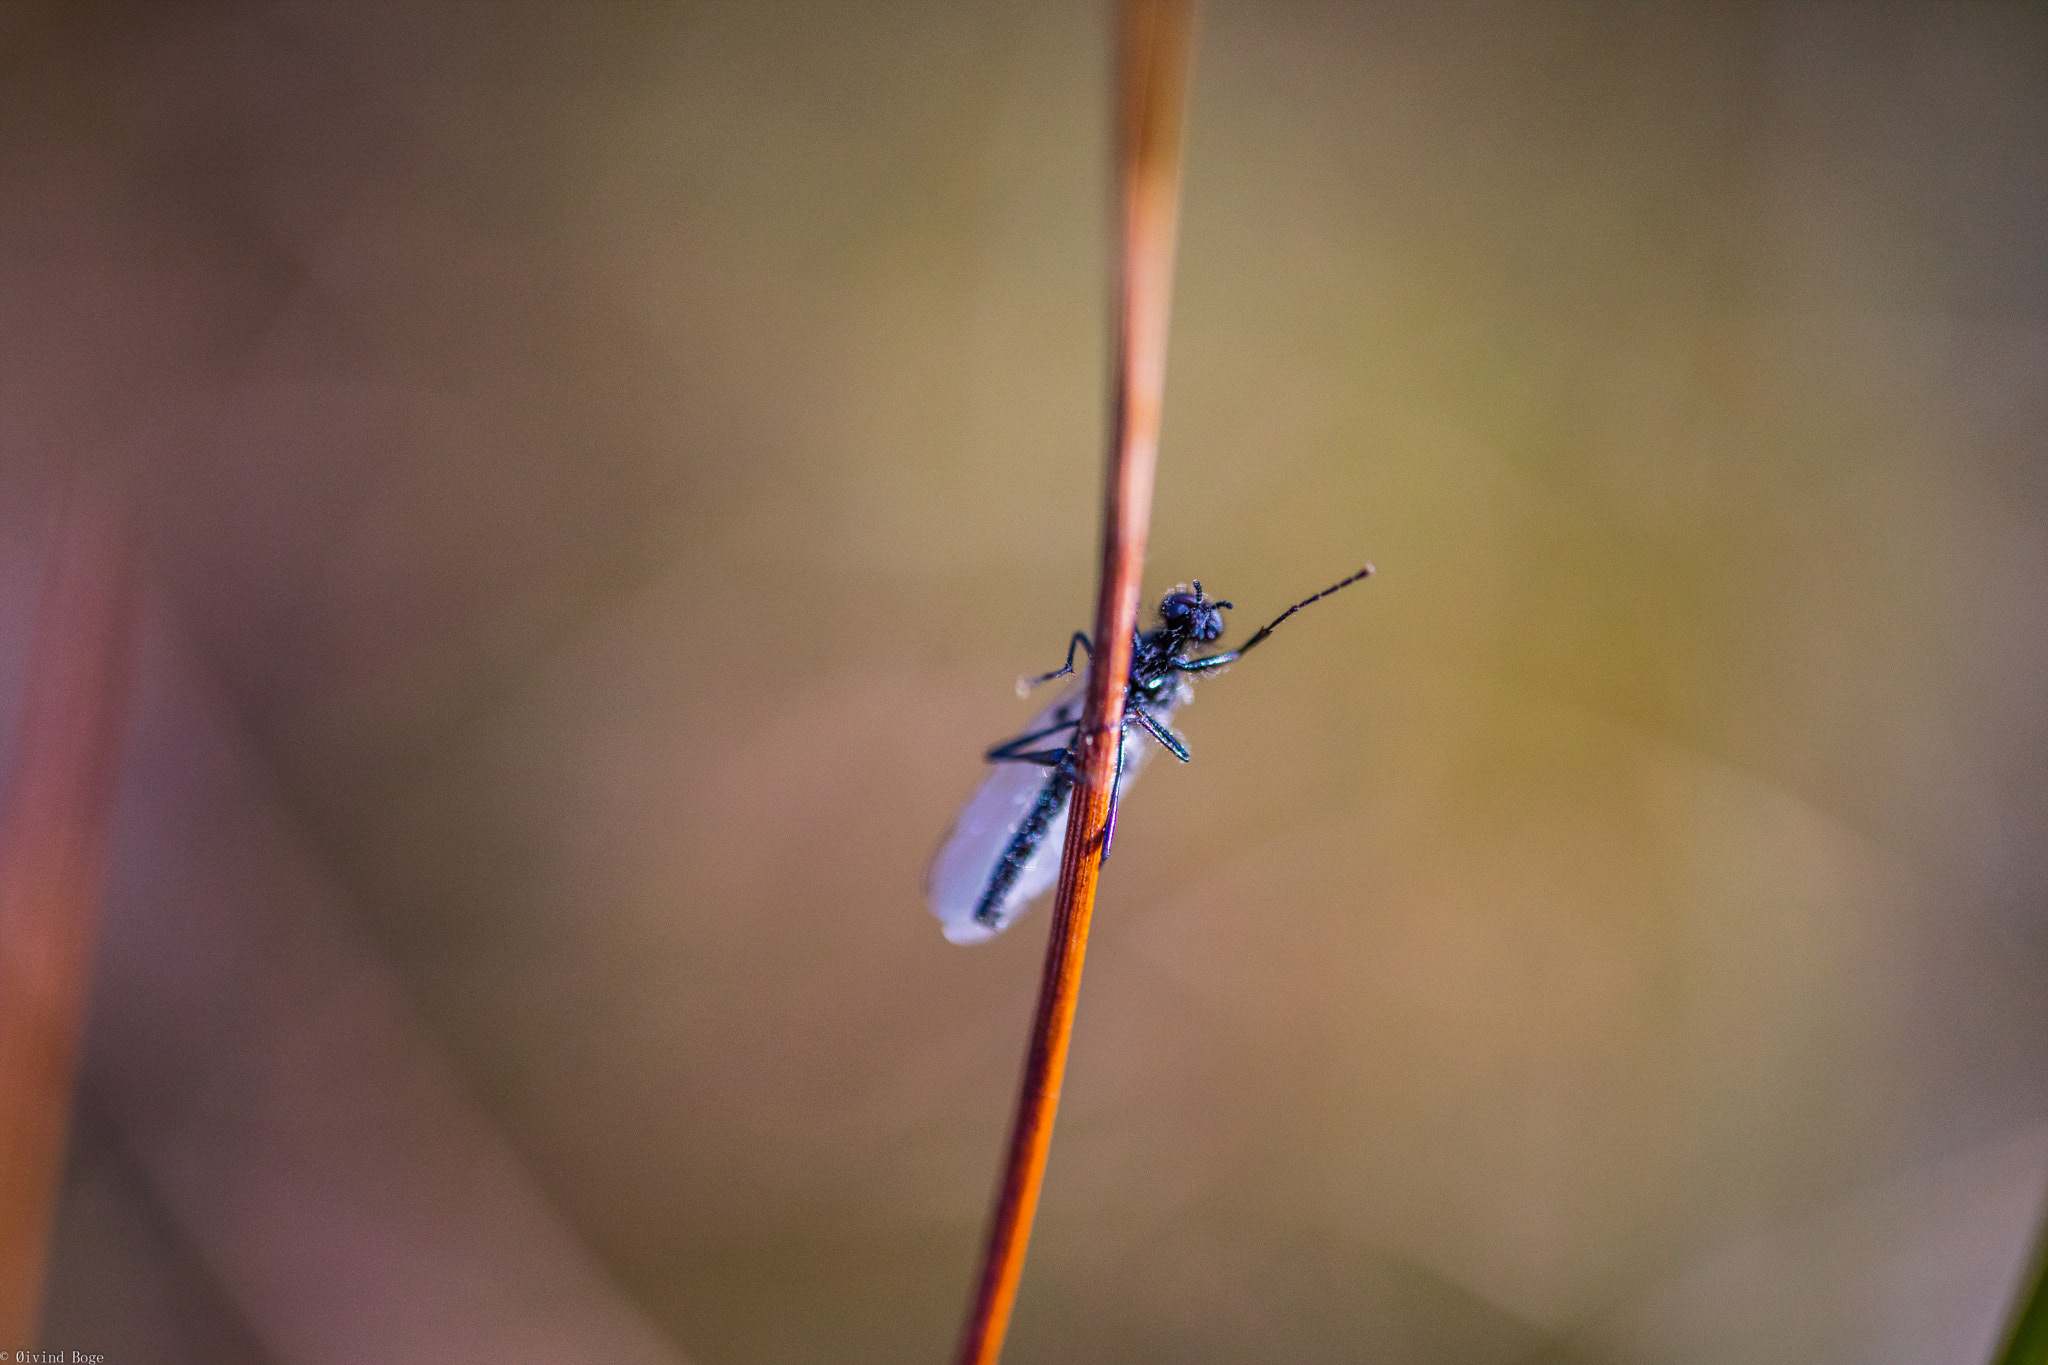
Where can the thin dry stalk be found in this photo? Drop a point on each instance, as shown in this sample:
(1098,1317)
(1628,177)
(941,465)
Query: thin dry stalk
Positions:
(53,835)
(1153,49)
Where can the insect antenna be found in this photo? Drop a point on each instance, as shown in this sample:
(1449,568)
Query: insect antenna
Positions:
(1270,626)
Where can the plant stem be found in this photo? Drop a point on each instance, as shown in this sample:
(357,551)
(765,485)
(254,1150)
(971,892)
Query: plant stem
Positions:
(53,836)
(1153,48)
(2026,1338)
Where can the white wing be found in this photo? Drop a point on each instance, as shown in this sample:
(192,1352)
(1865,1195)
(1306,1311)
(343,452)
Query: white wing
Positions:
(966,862)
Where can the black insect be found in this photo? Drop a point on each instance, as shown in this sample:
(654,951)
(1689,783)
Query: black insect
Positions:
(1004,850)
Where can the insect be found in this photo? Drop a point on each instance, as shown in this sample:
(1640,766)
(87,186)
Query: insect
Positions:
(1004,850)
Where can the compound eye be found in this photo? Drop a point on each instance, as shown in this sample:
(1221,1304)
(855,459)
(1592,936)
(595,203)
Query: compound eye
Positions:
(1177,607)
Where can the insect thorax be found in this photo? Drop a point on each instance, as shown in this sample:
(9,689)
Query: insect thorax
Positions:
(1153,657)
(1162,692)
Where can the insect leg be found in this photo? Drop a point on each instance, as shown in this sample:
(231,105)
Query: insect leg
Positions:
(1158,731)
(1014,748)
(1080,642)
(1203,665)
(1115,792)
(1044,758)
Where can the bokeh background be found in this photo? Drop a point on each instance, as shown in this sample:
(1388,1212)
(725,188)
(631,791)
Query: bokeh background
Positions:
(607,464)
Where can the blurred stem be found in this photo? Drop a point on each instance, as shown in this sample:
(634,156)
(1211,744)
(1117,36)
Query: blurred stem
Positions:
(1154,40)
(2026,1341)
(53,835)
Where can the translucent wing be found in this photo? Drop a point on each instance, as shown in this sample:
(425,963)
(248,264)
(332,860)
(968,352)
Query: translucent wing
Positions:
(968,861)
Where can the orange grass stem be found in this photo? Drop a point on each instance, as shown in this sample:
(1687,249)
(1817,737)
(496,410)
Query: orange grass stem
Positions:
(53,836)
(1154,41)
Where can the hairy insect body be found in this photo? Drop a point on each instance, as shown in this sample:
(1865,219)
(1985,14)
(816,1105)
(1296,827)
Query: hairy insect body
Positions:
(1004,850)
(1020,815)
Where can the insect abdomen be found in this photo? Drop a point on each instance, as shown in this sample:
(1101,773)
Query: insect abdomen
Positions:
(1052,799)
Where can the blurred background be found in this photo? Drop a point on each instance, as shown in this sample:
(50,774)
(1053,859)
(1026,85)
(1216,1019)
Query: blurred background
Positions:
(607,465)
